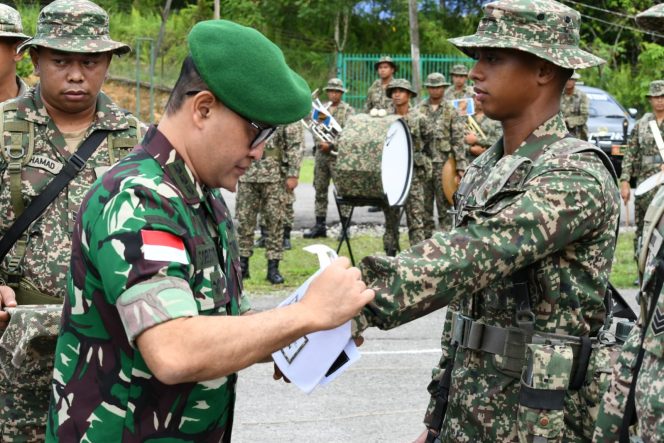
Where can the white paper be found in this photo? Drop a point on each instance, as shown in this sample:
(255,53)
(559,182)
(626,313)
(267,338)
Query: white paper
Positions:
(307,362)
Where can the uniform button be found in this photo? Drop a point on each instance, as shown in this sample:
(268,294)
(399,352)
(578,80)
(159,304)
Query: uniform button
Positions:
(544,421)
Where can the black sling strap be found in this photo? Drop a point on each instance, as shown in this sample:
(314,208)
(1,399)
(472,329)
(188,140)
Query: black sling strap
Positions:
(73,166)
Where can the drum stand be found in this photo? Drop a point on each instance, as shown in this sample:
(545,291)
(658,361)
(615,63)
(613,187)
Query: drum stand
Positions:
(354,202)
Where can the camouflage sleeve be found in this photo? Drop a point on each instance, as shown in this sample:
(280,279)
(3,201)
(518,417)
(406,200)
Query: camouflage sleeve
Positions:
(631,154)
(459,147)
(492,130)
(579,115)
(503,238)
(293,149)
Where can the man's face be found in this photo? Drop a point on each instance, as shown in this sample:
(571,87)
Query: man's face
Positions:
(436,92)
(334,96)
(385,70)
(8,57)
(400,96)
(70,82)
(496,73)
(458,80)
(657,103)
(569,85)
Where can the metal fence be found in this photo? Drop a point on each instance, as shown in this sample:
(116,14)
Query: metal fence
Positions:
(357,71)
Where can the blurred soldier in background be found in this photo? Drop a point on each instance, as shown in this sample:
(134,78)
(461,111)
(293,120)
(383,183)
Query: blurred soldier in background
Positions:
(459,89)
(478,138)
(290,173)
(376,95)
(11,36)
(575,106)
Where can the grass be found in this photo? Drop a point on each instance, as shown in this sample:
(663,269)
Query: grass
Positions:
(307,171)
(298,265)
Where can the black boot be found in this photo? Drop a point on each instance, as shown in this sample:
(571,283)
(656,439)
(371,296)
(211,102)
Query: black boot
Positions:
(287,243)
(244,267)
(260,243)
(319,230)
(343,222)
(273,274)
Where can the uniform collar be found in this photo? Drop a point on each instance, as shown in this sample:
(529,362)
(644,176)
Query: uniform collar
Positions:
(161,149)
(22,86)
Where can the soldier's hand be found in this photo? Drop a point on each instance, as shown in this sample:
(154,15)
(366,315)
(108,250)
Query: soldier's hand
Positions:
(625,191)
(336,295)
(291,183)
(277,374)
(477,150)
(422,438)
(470,138)
(7,299)
(324,147)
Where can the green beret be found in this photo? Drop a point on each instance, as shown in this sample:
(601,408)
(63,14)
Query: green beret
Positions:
(248,73)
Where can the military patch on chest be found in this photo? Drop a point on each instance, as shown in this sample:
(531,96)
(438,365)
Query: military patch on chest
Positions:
(658,322)
(206,256)
(45,163)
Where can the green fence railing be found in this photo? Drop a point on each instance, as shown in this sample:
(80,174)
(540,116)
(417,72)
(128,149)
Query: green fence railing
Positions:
(357,71)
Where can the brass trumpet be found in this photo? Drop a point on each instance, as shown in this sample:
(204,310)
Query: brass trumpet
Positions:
(474,127)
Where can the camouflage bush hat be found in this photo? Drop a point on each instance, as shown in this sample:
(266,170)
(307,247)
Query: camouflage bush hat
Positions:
(544,28)
(652,19)
(656,89)
(386,59)
(248,73)
(74,26)
(459,70)
(435,80)
(400,83)
(335,84)
(575,76)
(10,23)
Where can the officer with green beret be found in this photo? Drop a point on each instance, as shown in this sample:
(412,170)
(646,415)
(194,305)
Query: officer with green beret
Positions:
(152,337)
(530,255)
(65,114)
(11,36)
(575,106)
(459,89)
(376,96)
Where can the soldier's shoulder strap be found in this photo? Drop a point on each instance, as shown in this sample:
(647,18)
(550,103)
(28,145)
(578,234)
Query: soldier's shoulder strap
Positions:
(13,146)
(603,156)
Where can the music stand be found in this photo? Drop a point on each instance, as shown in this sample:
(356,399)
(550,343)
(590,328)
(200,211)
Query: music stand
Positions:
(354,202)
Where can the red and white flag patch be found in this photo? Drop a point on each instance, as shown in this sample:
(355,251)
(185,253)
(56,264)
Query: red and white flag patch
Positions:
(163,246)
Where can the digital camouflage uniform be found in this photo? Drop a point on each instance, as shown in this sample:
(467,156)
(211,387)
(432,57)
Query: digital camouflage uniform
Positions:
(643,159)
(461,155)
(492,130)
(263,189)
(11,27)
(119,291)
(575,108)
(40,260)
(451,93)
(535,229)
(377,99)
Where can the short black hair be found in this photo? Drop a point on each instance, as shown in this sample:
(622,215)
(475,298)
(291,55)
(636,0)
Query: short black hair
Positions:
(189,80)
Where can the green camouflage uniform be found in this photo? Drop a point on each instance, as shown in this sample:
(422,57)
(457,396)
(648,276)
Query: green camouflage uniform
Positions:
(149,198)
(377,99)
(642,159)
(492,129)
(535,230)
(22,87)
(325,161)
(262,189)
(40,260)
(11,27)
(575,108)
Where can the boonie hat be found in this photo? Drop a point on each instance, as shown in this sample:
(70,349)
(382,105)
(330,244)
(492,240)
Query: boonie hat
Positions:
(656,89)
(401,83)
(652,19)
(386,59)
(544,28)
(10,23)
(459,70)
(435,80)
(74,26)
(335,84)
(248,73)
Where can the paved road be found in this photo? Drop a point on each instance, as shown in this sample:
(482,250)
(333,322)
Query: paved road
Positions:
(382,397)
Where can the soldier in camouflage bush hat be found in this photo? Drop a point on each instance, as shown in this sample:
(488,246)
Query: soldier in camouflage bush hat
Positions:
(575,106)
(376,98)
(459,74)
(436,80)
(528,260)
(400,83)
(11,36)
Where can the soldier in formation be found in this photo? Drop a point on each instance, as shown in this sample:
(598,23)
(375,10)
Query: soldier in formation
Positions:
(575,106)
(11,36)
(479,138)
(265,188)
(65,114)
(529,258)
(459,89)
(325,159)
(376,95)
(152,336)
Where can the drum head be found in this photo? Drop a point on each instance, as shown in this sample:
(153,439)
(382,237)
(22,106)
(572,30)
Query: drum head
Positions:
(397,163)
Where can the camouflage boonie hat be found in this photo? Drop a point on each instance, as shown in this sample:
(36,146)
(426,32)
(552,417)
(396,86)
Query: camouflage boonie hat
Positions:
(74,26)
(544,28)
(435,80)
(459,70)
(575,76)
(401,83)
(10,23)
(652,19)
(386,59)
(335,84)
(656,89)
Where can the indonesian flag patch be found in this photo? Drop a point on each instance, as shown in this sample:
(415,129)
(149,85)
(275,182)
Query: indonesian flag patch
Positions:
(163,246)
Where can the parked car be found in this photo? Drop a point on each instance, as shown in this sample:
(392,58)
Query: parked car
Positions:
(609,124)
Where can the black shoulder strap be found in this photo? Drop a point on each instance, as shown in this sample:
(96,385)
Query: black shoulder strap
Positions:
(73,166)
(602,156)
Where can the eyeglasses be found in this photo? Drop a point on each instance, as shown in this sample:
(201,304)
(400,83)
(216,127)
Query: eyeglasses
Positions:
(264,131)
